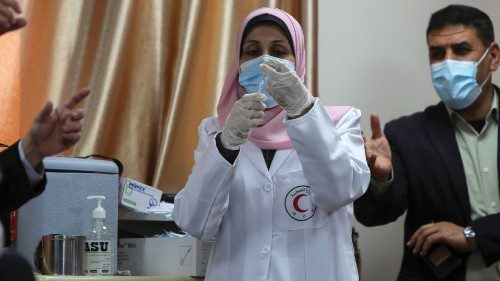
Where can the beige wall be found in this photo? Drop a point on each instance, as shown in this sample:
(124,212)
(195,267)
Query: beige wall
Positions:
(373,55)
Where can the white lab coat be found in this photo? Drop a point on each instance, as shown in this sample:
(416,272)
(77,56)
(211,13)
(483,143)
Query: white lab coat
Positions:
(265,222)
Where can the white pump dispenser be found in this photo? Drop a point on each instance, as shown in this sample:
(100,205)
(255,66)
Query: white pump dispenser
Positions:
(98,212)
(99,254)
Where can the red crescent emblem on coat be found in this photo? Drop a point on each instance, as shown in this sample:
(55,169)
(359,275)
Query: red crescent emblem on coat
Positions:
(299,204)
(296,204)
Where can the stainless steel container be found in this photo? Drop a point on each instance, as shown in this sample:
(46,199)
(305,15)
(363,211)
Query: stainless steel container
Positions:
(58,254)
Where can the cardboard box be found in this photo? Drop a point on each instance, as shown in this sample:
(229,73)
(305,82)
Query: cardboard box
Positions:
(138,196)
(164,256)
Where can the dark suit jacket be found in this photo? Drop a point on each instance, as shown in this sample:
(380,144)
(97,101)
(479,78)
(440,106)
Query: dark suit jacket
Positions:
(429,183)
(15,189)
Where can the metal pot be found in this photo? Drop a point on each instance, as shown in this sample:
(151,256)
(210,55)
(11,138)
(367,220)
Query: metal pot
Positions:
(59,254)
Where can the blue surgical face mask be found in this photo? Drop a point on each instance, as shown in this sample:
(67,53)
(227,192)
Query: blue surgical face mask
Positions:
(455,82)
(253,81)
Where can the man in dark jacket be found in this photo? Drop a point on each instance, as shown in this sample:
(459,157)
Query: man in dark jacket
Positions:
(441,165)
(22,175)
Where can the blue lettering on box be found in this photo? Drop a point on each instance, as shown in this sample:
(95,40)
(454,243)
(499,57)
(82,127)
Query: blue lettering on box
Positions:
(137,187)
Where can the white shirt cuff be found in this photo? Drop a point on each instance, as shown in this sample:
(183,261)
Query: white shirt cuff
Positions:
(382,186)
(34,177)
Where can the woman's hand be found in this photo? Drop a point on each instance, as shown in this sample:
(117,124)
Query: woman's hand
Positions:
(246,113)
(286,88)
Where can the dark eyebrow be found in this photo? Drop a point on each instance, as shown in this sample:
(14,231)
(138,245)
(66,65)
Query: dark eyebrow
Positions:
(251,42)
(435,48)
(280,41)
(464,44)
(258,42)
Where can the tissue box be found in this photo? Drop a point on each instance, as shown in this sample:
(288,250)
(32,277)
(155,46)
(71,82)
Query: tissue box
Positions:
(138,196)
(164,256)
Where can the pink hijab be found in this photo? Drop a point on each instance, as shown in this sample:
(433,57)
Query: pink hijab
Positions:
(271,135)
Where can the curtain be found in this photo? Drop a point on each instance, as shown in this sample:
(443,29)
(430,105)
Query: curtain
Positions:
(9,87)
(155,69)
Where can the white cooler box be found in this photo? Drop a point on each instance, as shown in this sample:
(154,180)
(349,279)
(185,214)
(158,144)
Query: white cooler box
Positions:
(63,207)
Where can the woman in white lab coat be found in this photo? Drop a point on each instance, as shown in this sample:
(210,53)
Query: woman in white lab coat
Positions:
(275,172)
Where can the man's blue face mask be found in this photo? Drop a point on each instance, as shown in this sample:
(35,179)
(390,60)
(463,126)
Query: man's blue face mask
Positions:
(253,81)
(455,82)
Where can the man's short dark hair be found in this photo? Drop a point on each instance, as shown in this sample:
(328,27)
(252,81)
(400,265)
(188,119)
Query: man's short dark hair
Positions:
(466,16)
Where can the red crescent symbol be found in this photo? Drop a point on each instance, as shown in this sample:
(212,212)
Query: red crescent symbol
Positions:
(296,204)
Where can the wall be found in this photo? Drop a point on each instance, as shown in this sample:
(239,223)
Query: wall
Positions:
(373,55)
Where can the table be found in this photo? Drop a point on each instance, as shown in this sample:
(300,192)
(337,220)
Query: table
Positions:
(39,277)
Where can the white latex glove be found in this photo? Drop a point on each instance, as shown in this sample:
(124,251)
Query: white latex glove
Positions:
(286,88)
(247,112)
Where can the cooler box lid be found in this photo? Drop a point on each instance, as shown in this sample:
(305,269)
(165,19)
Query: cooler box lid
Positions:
(73,164)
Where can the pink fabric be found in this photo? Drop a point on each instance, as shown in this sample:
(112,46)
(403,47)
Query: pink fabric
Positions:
(271,135)
(337,112)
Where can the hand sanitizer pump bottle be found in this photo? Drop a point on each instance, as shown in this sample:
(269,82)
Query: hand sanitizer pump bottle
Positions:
(99,246)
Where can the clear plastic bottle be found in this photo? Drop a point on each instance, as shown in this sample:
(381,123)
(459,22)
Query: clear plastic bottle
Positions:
(99,247)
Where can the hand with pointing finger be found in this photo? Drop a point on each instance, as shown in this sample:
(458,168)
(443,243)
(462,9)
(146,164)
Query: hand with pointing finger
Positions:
(8,21)
(54,130)
(378,152)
